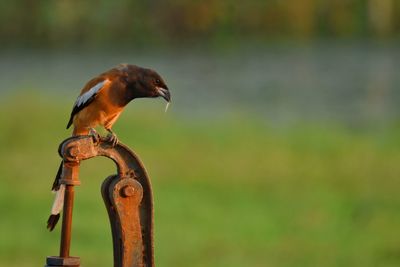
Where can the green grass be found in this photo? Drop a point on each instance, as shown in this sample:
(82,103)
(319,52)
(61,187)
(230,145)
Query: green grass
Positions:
(230,192)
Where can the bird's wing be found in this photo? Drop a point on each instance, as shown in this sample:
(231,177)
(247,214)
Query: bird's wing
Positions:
(87,96)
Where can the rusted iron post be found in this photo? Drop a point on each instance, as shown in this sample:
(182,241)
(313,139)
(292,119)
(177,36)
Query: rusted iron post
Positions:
(70,177)
(127,197)
(67,222)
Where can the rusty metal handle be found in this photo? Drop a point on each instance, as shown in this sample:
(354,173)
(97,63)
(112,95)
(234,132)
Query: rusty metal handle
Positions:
(122,198)
(128,198)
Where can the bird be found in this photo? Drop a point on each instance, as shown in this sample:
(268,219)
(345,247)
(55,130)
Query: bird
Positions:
(100,103)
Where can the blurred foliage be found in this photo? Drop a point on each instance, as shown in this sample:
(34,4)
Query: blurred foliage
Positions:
(230,190)
(87,23)
(233,192)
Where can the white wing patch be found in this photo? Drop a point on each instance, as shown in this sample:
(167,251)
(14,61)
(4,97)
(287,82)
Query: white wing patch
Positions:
(90,93)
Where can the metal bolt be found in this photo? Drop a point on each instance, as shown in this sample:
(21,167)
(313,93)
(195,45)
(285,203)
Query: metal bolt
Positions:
(73,151)
(128,191)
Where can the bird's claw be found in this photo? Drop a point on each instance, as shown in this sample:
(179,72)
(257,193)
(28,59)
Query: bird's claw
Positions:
(113,139)
(95,135)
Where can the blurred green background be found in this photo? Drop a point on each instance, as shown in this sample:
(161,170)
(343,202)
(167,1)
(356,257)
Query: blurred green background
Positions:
(281,147)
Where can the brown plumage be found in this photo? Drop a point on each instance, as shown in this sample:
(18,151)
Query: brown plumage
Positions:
(100,102)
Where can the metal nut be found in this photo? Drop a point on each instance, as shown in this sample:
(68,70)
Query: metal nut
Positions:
(73,151)
(128,191)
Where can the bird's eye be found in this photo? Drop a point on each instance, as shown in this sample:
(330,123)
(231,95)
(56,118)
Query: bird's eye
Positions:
(158,81)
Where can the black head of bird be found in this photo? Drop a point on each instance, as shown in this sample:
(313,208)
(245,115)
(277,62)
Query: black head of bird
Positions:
(142,82)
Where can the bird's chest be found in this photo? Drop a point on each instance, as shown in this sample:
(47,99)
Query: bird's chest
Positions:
(100,112)
(107,112)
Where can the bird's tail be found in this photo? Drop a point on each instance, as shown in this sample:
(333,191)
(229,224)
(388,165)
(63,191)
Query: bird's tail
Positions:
(56,183)
(56,209)
(58,203)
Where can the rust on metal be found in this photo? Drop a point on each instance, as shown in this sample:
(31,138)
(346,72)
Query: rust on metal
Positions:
(67,221)
(59,261)
(70,173)
(128,191)
(123,210)
(127,196)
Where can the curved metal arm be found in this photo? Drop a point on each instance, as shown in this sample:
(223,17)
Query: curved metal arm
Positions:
(128,198)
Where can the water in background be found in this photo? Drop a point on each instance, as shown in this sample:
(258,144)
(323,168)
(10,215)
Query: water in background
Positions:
(352,83)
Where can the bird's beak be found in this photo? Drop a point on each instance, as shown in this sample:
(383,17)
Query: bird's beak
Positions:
(164,93)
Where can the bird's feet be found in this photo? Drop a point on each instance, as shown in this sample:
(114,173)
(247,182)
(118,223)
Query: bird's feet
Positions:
(96,137)
(112,137)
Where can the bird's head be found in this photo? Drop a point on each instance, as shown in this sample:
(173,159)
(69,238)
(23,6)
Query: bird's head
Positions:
(142,82)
